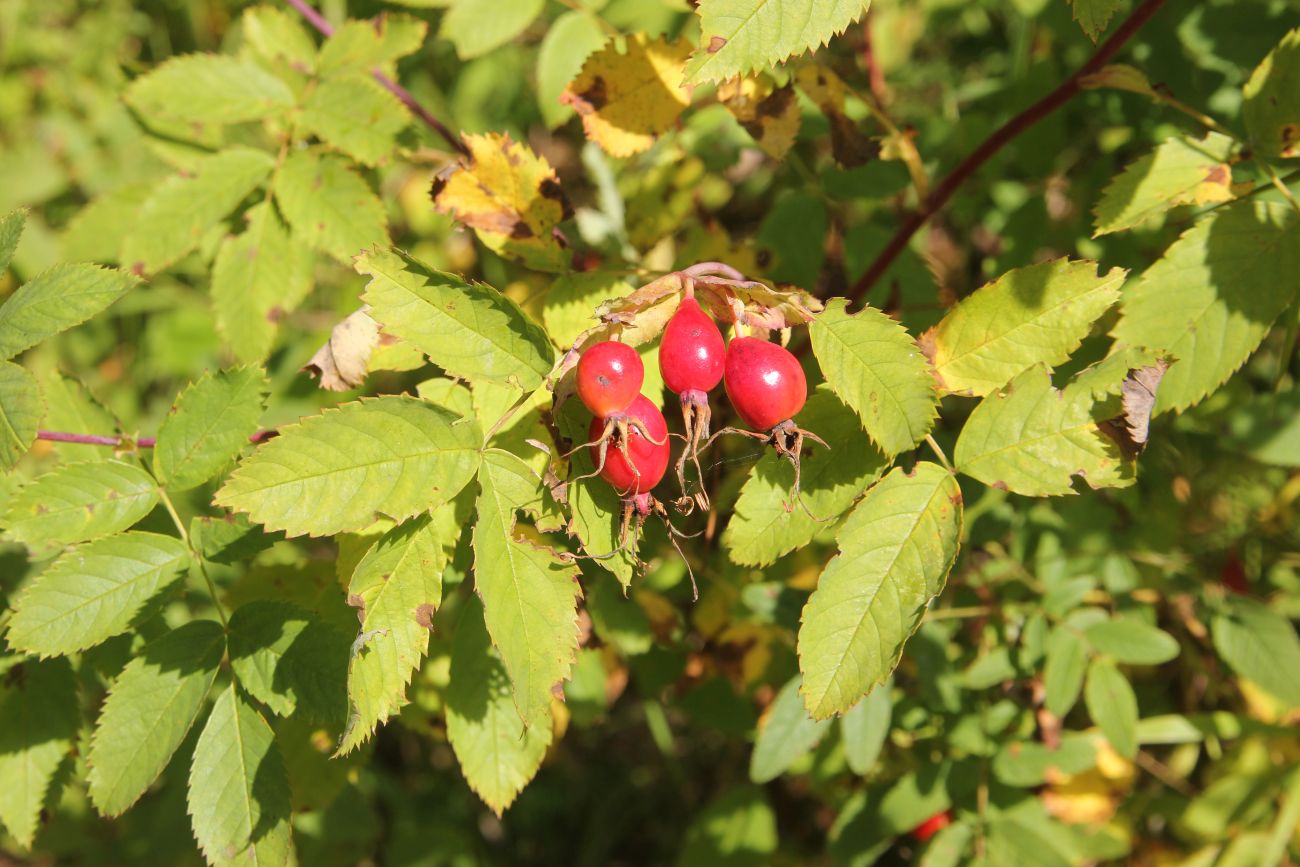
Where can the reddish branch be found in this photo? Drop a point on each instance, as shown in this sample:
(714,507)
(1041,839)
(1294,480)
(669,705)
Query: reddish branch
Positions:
(315,19)
(940,195)
(141,442)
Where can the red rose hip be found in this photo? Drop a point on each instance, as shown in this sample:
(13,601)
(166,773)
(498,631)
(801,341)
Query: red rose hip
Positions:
(641,465)
(692,352)
(765,383)
(610,375)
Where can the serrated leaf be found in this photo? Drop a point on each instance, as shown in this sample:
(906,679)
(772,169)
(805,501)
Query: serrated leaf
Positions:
(498,754)
(785,735)
(1094,15)
(1271,108)
(1112,705)
(737,829)
(1260,645)
(597,517)
(276,35)
(55,300)
(1210,299)
(329,207)
(1038,314)
(39,719)
(510,197)
(21,409)
(1180,171)
(738,37)
(875,367)
(148,712)
(94,591)
(290,660)
(628,97)
(865,727)
(1063,671)
(568,42)
(359,46)
(469,329)
(259,276)
(208,425)
(354,114)
(209,88)
(895,551)
(343,361)
(339,471)
(396,589)
(770,114)
(97,232)
(568,308)
(529,595)
(1132,642)
(238,796)
(1033,440)
(763,526)
(476,27)
(70,407)
(11,230)
(79,502)
(184,208)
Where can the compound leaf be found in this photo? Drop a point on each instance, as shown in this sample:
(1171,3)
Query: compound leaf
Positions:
(895,551)
(148,712)
(208,425)
(339,471)
(209,88)
(55,300)
(329,206)
(78,502)
(356,115)
(94,591)
(359,46)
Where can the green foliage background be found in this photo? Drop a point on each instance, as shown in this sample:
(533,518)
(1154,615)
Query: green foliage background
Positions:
(1107,677)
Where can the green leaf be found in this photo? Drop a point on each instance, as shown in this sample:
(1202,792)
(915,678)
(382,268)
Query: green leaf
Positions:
(1260,645)
(1180,171)
(1094,15)
(259,277)
(277,35)
(1032,439)
(875,367)
(1112,705)
(79,502)
(94,591)
(476,27)
(21,409)
(396,588)
(1271,109)
(70,407)
(469,329)
(11,230)
(864,728)
(763,527)
(208,88)
(356,115)
(597,517)
(229,539)
(39,718)
(569,306)
(498,754)
(1034,315)
(1067,661)
(238,797)
(184,208)
(97,231)
(737,829)
(329,206)
(1026,764)
(290,660)
(54,301)
(895,551)
(1211,298)
(568,42)
(1132,641)
(359,46)
(738,37)
(786,734)
(208,425)
(148,712)
(529,595)
(339,471)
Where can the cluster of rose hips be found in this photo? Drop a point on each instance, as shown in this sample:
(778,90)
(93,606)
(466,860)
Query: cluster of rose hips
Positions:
(628,434)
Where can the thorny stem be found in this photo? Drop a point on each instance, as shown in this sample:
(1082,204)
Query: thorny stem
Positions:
(185,537)
(940,195)
(315,19)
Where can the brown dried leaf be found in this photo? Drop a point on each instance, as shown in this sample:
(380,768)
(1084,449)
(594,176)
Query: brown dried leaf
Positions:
(849,145)
(770,114)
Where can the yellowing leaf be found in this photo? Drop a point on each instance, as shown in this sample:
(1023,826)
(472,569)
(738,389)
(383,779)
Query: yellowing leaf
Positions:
(510,197)
(627,98)
(1271,110)
(770,114)
(848,145)
(1180,171)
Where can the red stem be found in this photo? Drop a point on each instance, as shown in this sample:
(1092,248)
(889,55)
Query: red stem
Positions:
(940,195)
(315,19)
(142,442)
(875,77)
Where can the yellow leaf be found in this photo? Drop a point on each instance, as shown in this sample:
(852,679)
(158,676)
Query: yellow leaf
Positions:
(510,197)
(849,145)
(628,98)
(770,114)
